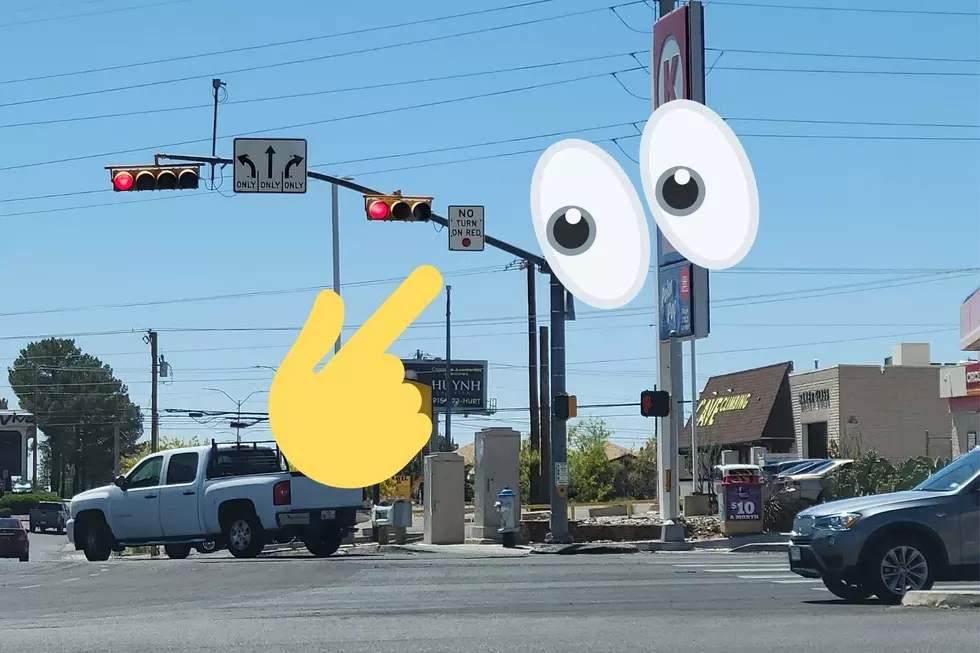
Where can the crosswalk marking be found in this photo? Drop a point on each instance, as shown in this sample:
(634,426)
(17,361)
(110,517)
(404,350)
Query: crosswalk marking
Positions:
(742,570)
(799,580)
(772,576)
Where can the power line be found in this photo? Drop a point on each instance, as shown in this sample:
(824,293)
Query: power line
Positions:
(837,55)
(252,48)
(336,55)
(869,10)
(915,273)
(114,10)
(348,89)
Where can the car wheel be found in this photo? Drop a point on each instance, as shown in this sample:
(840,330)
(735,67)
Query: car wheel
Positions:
(96,542)
(899,565)
(244,535)
(844,590)
(324,543)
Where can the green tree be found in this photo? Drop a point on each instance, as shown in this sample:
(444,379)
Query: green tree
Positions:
(592,474)
(77,402)
(641,477)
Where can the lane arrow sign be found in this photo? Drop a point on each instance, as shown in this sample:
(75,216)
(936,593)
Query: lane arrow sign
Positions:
(270,152)
(295,161)
(246,161)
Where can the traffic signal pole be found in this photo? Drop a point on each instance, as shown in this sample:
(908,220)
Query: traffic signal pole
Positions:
(559,427)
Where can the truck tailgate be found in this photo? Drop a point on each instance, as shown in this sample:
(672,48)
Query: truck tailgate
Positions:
(307,494)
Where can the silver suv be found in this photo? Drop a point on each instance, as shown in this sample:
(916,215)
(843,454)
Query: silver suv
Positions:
(889,544)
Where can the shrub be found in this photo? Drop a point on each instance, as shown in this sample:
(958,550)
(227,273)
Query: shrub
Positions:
(21,504)
(871,474)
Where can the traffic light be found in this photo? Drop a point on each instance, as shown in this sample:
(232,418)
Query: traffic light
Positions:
(655,403)
(153,177)
(566,407)
(398,208)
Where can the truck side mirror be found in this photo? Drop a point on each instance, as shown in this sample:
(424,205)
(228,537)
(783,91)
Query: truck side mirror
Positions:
(120,482)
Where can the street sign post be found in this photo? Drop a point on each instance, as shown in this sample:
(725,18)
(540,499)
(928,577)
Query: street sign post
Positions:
(466,229)
(265,165)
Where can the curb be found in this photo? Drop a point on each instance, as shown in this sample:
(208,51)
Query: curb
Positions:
(942,599)
(761,547)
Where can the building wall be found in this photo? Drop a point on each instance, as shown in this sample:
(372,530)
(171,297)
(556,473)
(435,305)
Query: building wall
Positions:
(823,379)
(966,423)
(889,409)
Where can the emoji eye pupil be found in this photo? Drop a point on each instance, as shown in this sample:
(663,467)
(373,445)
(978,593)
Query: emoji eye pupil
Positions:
(680,191)
(571,230)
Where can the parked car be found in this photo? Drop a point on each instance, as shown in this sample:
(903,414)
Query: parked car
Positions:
(889,544)
(802,467)
(14,542)
(21,486)
(772,470)
(48,514)
(238,496)
(804,486)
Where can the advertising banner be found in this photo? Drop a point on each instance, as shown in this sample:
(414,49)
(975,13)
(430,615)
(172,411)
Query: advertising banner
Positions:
(743,502)
(469,384)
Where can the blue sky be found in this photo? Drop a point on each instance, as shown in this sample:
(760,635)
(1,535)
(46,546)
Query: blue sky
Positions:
(907,204)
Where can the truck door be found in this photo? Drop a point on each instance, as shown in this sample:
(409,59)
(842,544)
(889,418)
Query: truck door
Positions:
(179,513)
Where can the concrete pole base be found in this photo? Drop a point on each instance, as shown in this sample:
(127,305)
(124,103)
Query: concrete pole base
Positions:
(509,540)
(672,532)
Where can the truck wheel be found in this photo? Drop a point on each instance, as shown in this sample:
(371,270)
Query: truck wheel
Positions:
(208,546)
(846,591)
(899,565)
(26,558)
(325,542)
(244,535)
(96,541)
(177,551)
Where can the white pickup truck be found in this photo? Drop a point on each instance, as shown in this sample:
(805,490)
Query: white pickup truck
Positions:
(236,496)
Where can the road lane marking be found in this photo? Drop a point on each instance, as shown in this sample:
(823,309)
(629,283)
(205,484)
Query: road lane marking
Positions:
(91,575)
(29,587)
(743,570)
(794,578)
(69,580)
(798,580)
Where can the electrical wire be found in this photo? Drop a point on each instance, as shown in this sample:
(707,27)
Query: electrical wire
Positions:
(114,10)
(824,8)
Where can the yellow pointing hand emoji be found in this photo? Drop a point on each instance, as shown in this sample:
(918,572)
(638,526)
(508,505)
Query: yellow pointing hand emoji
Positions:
(355,422)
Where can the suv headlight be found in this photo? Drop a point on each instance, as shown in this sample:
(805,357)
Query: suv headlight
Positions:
(841,522)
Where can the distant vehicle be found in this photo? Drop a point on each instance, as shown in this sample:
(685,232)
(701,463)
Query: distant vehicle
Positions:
(235,496)
(21,486)
(14,542)
(890,544)
(781,466)
(802,467)
(805,485)
(48,514)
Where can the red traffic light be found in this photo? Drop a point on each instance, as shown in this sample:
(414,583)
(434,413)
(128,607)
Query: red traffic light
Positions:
(378,210)
(152,177)
(122,181)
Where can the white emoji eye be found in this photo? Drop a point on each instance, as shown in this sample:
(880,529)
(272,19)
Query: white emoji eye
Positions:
(590,223)
(699,184)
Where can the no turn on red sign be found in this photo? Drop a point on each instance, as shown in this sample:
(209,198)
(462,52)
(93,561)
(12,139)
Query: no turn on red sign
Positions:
(466,229)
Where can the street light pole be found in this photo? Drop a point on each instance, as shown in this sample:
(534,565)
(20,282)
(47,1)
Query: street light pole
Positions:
(238,404)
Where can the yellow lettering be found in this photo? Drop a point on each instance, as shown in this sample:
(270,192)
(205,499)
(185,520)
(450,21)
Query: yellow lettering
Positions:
(708,409)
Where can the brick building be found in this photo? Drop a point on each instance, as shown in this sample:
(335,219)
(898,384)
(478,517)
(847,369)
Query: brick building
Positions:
(892,409)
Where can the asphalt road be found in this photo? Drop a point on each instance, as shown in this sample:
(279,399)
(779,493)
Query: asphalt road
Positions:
(677,602)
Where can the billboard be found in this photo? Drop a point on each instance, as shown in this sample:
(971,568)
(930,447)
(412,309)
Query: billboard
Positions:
(678,74)
(469,380)
(973,380)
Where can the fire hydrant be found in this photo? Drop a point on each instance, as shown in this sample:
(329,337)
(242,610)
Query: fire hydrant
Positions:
(507,508)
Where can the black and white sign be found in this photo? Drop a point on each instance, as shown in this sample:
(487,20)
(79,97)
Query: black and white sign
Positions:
(469,384)
(561,474)
(270,165)
(466,229)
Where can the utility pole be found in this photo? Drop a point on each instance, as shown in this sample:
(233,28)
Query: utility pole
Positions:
(559,445)
(115,451)
(151,338)
(449,378)
(37,401)
(545,468)
(532,385)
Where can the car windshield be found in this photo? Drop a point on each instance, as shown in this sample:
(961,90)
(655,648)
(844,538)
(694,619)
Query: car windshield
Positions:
(802,467)
(6,522)
(954,475)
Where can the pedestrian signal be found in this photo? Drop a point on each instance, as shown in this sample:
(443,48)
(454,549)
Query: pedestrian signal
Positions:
(566,407)
(654,403)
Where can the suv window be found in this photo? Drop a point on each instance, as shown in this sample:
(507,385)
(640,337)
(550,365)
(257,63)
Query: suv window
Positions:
(48,505)
(146,474)
(182,468)
(953,475)
(244,461)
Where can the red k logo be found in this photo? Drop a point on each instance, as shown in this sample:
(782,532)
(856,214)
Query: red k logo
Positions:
(669,76)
